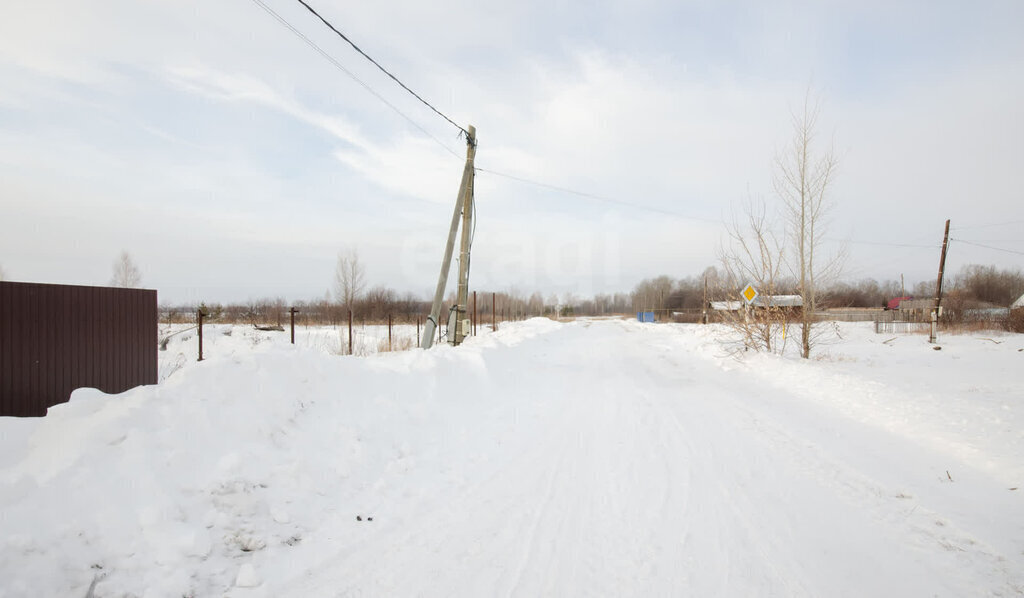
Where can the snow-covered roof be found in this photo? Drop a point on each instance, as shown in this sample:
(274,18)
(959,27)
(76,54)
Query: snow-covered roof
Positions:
(779,300)
(760,301)
(726,305)
(1018,303)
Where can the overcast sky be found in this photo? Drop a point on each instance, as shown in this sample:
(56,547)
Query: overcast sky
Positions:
(233,161)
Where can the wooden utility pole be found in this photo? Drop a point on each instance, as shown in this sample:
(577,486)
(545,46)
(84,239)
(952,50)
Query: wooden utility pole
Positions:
(938,284)
(199,321)
(292,312)
(350,332)
(465,187)
(942,267)
(704,315)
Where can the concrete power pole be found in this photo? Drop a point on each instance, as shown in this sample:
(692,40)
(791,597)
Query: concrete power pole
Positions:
(462,296)
(465,188)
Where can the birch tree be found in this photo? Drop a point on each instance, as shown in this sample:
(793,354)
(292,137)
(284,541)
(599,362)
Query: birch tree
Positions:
(349,278)
(126,273)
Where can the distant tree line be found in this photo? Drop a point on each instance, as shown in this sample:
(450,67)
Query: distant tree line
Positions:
(973,287)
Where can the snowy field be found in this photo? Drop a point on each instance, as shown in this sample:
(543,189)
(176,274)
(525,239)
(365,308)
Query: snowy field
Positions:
(219,340)
(593,458)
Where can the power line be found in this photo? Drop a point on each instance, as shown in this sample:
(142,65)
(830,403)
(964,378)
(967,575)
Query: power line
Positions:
(566,190)
(600,198)
(340,67)
(886,244)
(997,240)
(989,247)
(384,70)
(988,225)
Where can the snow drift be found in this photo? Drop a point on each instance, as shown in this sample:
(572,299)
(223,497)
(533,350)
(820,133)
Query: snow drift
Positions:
(596,458)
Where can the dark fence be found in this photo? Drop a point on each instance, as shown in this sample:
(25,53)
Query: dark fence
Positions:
(56,338)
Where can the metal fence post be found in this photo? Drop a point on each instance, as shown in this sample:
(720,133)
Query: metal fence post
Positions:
(389,332)
(350,332)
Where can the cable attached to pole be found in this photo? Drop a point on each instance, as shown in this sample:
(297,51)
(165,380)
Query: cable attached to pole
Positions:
(385,71)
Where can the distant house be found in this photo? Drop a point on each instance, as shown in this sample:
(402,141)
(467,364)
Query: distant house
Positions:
(895,303)
(789,302)
(1018,304)
(726,305)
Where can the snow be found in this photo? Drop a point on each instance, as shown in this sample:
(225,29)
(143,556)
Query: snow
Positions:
(584,458)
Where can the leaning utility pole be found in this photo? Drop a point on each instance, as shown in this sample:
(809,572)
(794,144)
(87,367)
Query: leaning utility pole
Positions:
(938,284)
(465,189)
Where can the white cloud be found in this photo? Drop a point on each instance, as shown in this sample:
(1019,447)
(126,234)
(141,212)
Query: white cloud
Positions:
(117,114)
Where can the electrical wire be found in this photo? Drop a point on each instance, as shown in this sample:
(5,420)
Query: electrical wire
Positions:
(673,213)
(582,194)
(987,225)
(472,233)
(383,70)
(988,246)
(340,67)
(600,198)
(885,244)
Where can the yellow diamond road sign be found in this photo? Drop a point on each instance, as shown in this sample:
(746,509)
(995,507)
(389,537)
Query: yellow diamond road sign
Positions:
(750,293)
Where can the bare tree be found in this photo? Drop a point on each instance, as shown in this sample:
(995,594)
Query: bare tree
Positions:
(651,293)
(989,284)
(126,273)
(803,176)
(349,278)
(753,254)
(536,304)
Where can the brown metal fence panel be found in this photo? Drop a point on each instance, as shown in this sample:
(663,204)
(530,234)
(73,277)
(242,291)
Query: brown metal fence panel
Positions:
(56,338)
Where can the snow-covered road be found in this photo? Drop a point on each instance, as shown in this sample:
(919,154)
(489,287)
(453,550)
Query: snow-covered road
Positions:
(597,458)
(630,465)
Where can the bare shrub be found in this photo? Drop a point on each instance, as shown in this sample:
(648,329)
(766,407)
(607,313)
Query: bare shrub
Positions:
(1015,321)
(752,254)
(989,284)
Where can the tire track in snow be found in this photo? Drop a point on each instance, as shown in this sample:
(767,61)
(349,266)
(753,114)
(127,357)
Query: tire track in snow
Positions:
(641,471)
(919,527)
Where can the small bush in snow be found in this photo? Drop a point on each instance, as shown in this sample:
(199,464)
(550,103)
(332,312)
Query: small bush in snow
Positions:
(1015,321)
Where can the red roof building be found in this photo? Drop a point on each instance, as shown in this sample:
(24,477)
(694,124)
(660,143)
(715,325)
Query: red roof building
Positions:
(895,303)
